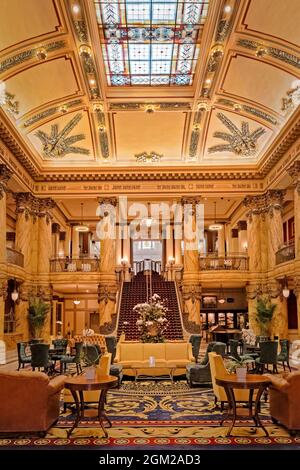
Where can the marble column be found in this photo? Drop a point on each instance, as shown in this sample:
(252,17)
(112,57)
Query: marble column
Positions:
(221,242)
(294,172)
(67,241)
(75,243)
(55,240)
(44,238)
(118,246)
(27,230)
(297,294)
(274,201)
(108,286)
(191,289)
(5,175)
(242,236)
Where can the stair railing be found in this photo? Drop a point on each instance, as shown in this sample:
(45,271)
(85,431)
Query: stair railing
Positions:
(118,306)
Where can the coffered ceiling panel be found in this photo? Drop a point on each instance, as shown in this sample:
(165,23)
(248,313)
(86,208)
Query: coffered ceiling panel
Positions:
(257,82)
(45,82)
(275,18)
(231,138)
(67,139)
(21,20)
(137,132)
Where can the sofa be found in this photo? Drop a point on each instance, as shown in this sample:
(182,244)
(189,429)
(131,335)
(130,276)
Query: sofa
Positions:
(133,353)
(29,401)
(98,340)
(284,400)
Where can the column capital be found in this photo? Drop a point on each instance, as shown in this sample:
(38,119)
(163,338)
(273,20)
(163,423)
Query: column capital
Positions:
(242,225)
(271,289)
(294,172)
(108,201)
(5,174)
(33,206)
(266,202)
(3,288)
(193,200)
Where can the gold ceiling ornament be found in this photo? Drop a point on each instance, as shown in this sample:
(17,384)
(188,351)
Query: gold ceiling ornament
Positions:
(217,50)
(58,144)
(85,50)
(145,157)
(261,51)
(202,106)
(241,142)
(41,53)
(150,108)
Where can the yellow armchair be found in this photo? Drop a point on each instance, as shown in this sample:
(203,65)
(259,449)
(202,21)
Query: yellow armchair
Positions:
(218,368)
(91,396)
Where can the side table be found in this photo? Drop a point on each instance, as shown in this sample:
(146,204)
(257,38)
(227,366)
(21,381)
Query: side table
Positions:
(77,385)
(251,382)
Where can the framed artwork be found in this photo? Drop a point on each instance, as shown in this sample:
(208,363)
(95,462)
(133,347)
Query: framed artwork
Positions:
(209,301)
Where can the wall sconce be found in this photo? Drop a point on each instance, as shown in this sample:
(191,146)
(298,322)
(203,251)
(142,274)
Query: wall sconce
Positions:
(221,298)
(285,290)
(171,261)
(124,262)
(76,301)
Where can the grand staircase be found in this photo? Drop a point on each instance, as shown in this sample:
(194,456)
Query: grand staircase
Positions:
(135,292)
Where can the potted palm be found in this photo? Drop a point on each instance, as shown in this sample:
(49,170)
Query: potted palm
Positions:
(265,311)
(37,315)
(239,365)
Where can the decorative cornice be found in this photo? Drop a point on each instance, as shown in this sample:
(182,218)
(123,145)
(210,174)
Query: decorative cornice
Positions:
(5,175)
(249,109)
(274,52)
(29,54)
(33,206)
(263,203)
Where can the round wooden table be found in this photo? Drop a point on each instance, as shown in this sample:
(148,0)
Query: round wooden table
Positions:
(251,382)
(77,385)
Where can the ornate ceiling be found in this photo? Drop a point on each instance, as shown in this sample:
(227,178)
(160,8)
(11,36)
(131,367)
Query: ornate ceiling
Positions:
(91,84)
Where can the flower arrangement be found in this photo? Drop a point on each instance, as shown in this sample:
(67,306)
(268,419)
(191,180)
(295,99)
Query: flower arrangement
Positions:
(152,321)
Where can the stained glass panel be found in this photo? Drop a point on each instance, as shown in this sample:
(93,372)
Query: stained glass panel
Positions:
(150,42)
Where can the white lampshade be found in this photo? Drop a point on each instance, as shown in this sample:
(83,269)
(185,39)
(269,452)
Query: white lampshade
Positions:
(215,227)
(76,301)
(15,295)
(221,301)
(286,292)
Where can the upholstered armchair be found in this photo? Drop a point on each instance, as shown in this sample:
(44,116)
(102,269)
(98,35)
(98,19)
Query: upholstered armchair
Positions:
(23,358)
(29,401)
(218,368)
(200,373)
(284,400)
(195,340)
(115,369)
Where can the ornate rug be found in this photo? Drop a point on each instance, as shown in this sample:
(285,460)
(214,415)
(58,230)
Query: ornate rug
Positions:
(160,414)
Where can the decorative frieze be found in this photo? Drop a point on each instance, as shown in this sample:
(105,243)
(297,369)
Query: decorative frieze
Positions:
(274,52)
(103,137)
(23,56)
(249,109)
(51,112)
(161,106)
(5,175)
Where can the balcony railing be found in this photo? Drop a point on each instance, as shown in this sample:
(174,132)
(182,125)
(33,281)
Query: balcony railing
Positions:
(233,262)
(14,257)
(286,253)
(146,265)
(86,265)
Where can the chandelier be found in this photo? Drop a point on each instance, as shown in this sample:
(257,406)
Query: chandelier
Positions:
(215,227)
(145,157)
(82,227)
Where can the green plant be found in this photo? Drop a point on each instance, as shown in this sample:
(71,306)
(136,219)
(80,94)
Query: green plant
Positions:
(236,363)
(37,315)
(265,310)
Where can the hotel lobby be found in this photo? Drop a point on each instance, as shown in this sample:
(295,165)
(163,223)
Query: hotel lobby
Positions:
(149,225)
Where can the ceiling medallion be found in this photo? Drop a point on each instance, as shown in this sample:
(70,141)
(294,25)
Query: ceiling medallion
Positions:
(240,142)
(57,144)
(145,157)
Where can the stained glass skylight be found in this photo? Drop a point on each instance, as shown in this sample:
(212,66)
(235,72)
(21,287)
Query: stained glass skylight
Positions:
(150,42)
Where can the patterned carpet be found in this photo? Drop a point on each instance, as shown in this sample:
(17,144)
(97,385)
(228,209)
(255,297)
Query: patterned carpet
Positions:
(151,414)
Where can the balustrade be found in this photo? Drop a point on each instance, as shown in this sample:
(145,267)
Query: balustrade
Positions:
(58,265)
(15,257)
(235,261)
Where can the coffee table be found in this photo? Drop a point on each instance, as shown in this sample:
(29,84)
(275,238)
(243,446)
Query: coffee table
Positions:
(145,371)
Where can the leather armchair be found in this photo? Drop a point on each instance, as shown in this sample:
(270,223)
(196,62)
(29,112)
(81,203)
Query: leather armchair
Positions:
(29,401)
(284,400)
(201,373)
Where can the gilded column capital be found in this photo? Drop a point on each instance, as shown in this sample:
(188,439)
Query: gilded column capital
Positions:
(191,292)
(192,200)
(265,203)
(107,292)
(271,289)
(33,206)
(108,201)
(5,175)
(242,225)
(294,172)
